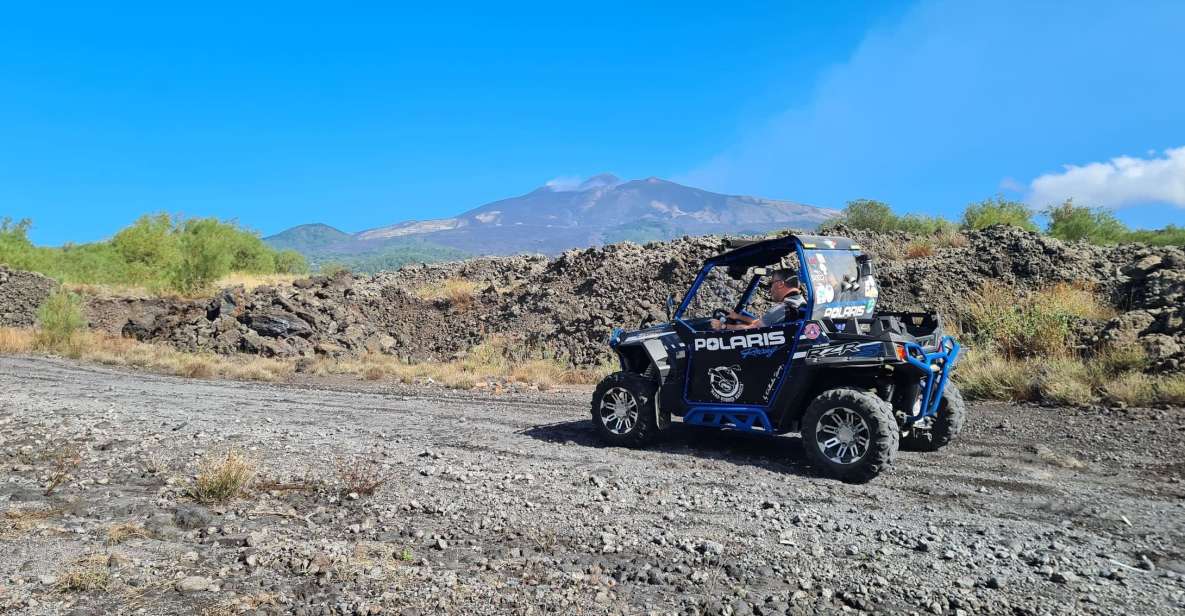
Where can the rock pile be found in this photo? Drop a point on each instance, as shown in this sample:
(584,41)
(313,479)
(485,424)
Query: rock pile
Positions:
(565,307)
(20,295)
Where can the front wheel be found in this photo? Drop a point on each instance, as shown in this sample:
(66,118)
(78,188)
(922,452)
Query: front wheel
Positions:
(623,410)
(850,435)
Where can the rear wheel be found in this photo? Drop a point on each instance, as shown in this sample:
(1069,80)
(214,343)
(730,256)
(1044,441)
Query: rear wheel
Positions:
(623,410)
(850,435)
(943,427)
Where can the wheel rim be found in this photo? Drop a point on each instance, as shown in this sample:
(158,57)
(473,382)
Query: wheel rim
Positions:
(842,435)
(619,410)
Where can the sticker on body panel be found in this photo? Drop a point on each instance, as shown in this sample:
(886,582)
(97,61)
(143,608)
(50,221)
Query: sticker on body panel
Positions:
(742,341)
(860,349)
(726,383)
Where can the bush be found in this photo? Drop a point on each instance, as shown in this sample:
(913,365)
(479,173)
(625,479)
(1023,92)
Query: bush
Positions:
(1072,223)
(60,319)
(872,215)
(1171,235)
(1037,324)
(290,262)
(919,249)
(867,214)
(222,478)
(157,252)
(205,256)
(998,211)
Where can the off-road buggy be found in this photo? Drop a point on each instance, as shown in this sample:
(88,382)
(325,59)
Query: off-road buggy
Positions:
(856,383)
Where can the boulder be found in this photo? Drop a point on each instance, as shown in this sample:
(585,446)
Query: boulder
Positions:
(275,323)
(1160,347)
(139,327)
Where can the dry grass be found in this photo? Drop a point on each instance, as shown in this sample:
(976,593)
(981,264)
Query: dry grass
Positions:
(118,533)
(1064,380)
(112,290)
(483,363)
(951,239)
(361,475)
(63,461)
(985,376)
(85,574)
(1112,375)
(252,281)
(919,249)
(14,340)
(1037,324)
(1133,389)
(1079,300)
(222,478)
(1171,390)
(486,362)
(19,520)
(457,293)
(116,351)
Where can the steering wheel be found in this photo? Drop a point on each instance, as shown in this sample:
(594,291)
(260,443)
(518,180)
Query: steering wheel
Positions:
(721,315)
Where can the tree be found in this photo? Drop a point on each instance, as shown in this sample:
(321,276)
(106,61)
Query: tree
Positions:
(150,241)
(868,214)
(998,211)
(206,255)
(1074,223)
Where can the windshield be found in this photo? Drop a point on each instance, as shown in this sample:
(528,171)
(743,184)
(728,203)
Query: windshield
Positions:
(721,291)
(839,291)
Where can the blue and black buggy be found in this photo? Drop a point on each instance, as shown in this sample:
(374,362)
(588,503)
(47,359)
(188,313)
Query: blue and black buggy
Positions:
(856,383)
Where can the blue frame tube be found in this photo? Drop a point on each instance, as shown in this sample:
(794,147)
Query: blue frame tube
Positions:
(935,382)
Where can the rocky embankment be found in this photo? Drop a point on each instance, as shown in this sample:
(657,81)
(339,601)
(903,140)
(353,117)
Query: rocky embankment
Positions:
(565,307)
(20,295)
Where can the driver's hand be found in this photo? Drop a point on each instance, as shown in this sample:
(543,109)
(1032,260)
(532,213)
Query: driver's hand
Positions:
(716,324)
(735,316)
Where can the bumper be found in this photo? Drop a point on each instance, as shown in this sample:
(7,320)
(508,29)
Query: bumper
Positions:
(936,369)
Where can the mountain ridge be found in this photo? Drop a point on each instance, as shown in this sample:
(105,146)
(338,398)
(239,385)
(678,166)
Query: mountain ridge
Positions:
(560,216)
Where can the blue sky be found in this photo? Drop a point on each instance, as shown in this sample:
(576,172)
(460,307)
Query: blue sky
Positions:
(362,115)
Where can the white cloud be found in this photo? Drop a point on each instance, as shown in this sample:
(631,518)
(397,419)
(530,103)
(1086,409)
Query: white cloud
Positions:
(1119,182)
(564,183)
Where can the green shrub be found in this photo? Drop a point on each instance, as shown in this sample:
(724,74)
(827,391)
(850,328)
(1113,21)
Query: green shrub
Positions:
(149,242)
(998,211)
(290,262)
(1071,223)
(1037,324)
(872,215)
(205,256)
(157,252)
(1171,235)
(60,319)
(867,214)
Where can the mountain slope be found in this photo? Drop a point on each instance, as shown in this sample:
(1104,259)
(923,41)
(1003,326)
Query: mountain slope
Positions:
(303,238)
(554,218)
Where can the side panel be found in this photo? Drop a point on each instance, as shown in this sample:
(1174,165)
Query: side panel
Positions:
(739,367)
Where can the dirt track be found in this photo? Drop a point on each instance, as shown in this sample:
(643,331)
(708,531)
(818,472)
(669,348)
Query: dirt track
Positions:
(501,504)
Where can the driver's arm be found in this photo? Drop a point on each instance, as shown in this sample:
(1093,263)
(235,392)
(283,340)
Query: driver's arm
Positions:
(717,324)
(743,318)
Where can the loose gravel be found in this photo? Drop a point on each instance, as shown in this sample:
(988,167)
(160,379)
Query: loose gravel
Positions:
(507,505)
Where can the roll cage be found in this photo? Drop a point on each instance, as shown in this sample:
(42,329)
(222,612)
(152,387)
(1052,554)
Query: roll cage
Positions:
(763,253)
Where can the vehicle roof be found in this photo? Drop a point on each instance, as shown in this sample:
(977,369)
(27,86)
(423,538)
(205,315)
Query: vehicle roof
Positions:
(758,253)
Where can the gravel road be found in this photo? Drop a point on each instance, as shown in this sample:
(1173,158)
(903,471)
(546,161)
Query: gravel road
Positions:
(504,503)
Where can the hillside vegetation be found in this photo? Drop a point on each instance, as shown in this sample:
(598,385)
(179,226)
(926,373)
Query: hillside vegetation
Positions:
(1067,221)
(157,252)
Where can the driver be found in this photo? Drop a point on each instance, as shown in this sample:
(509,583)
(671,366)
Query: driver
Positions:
(786,293)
